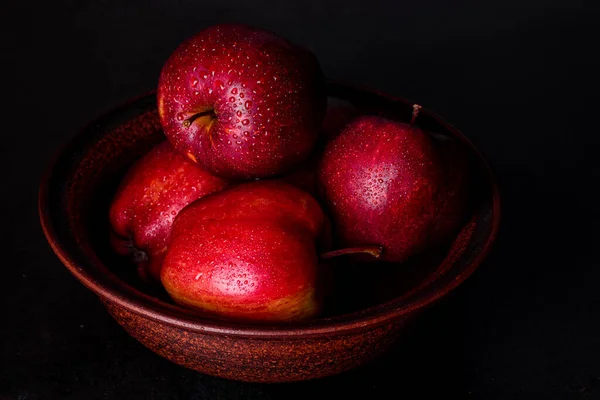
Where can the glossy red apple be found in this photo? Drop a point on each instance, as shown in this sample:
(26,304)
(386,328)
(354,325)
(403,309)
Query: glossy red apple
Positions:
(392,184)
(152,193)
(242,102)
(248,253)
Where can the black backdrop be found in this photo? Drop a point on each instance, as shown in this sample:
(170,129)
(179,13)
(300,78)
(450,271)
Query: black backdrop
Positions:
(517,76)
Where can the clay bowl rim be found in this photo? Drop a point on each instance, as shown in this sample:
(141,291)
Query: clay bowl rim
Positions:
(114,290)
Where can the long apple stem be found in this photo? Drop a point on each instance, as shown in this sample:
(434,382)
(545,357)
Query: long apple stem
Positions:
(374,251)
(188,122)
(415,113)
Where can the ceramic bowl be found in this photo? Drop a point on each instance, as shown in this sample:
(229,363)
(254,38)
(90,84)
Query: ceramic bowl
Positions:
(73,203)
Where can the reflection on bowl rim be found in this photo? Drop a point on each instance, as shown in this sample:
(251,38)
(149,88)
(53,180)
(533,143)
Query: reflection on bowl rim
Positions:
(116,291)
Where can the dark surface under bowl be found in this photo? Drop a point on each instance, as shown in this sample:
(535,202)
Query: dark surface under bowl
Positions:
(74,200)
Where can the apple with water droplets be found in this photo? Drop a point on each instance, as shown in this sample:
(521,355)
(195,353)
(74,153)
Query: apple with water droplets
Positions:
(242,102)
(147,201)
(392,184)
(248,253)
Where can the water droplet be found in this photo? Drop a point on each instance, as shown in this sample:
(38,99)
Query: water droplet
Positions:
(180,117)
(234,91)
(245,282)
(238,113)
(229,142)
(244,85)
(232,99)
(220,84)
(248,104)
(259,82)
(234,136)
(238,141)
(380,180)
(246,133)
(196,93)
(204,76)
(173,213)
(241,95)
(245,122)
(274,77)
(210,90)
(194,82)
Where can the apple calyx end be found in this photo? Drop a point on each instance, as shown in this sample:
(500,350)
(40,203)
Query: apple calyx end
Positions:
(138,256)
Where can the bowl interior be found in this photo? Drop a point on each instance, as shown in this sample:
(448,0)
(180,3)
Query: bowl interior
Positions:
(76,194)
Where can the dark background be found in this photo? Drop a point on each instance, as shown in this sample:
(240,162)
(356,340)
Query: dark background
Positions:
(518,77)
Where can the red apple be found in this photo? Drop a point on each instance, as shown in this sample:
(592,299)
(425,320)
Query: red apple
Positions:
(248,253)
(242,102)
(392,184)
(152,193)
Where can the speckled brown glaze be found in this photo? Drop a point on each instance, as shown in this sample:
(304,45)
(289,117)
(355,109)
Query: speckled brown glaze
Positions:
(74,201)
(254,359)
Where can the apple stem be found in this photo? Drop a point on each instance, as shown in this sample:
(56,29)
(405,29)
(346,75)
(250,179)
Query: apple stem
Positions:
(415,113)
(374,251)
(188,122)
